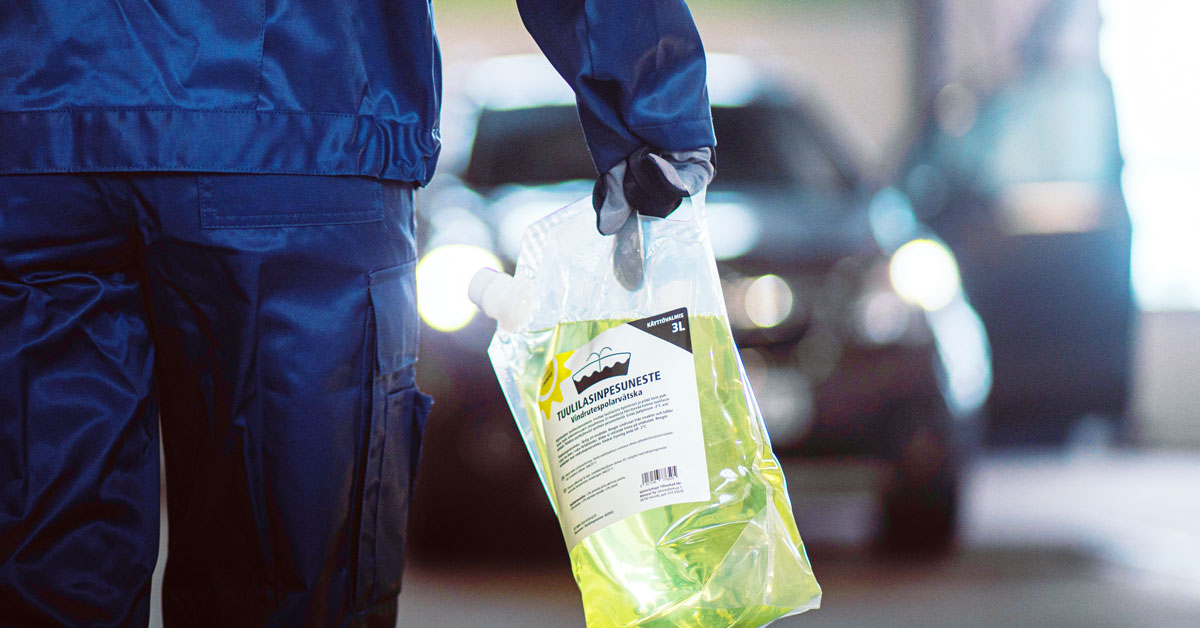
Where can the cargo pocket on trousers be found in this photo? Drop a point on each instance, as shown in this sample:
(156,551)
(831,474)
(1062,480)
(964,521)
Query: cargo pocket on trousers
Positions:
(398,413)
(236,201)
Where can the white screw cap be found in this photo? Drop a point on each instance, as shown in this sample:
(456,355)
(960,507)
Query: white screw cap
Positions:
(501,297)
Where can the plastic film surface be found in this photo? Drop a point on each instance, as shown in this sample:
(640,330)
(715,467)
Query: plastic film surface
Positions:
(735,559)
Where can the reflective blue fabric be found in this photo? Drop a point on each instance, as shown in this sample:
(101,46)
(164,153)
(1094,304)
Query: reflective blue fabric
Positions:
(271,319)
(311,87)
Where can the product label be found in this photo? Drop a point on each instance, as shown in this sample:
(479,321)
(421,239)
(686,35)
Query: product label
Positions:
(622,419)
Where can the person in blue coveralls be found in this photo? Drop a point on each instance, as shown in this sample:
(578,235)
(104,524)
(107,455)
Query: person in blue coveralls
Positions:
(206,213)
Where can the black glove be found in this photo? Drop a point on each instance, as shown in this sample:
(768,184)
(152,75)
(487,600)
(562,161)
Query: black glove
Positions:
(650,183)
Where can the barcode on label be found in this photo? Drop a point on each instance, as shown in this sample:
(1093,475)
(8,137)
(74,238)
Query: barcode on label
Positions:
(665,473)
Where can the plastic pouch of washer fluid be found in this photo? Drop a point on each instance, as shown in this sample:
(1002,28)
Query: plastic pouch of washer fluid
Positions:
(626,385)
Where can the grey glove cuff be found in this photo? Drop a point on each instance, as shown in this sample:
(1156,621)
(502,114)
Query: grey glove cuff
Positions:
(649,183)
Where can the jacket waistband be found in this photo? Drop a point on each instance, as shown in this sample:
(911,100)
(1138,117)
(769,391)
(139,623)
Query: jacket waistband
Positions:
(169,139)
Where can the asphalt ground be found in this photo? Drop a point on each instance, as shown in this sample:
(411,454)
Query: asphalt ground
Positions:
(1088,539)
(1094,539)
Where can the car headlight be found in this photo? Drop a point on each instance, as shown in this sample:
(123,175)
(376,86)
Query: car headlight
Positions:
(768,300)
(442,279)
(924,272)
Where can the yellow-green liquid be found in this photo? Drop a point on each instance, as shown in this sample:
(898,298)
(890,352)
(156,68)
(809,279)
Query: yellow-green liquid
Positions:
(734,561)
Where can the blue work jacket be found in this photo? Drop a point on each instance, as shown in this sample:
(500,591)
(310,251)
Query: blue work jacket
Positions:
(333,87)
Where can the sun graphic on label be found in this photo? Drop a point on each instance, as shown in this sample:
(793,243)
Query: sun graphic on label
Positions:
(549,391)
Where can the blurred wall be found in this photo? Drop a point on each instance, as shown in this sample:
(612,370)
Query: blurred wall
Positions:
(981,35)
(855,53)
(858,54)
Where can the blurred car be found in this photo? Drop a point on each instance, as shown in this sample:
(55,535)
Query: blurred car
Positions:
(1024,184)
(855,334)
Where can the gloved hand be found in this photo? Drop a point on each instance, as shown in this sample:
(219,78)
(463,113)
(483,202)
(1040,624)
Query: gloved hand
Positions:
(650,183)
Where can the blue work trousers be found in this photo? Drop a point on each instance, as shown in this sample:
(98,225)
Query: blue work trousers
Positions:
(271,321)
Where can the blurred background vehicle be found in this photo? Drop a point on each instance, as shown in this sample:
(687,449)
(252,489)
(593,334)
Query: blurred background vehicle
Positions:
(1023,180)
(856,335)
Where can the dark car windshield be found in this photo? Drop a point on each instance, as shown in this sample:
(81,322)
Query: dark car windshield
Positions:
(758,144)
